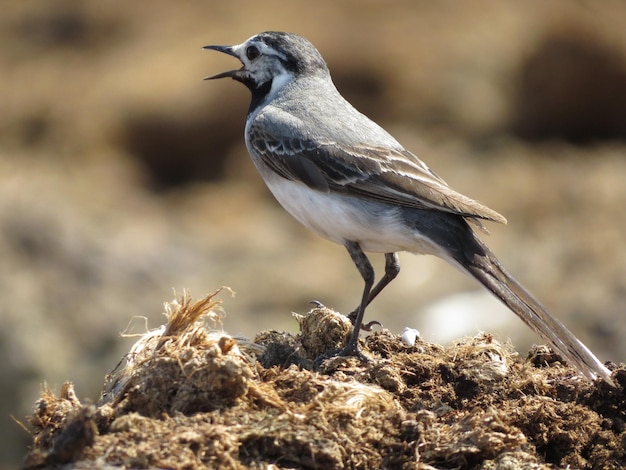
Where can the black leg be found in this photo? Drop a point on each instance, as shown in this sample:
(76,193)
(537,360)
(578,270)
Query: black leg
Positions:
(392,268)
(367,273)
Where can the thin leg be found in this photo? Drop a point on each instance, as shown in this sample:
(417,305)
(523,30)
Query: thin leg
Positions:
(392,268)
(367,273)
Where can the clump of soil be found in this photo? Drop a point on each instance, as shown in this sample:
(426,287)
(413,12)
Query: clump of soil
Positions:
(188,396)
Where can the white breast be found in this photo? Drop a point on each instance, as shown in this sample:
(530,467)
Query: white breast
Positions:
(375,226)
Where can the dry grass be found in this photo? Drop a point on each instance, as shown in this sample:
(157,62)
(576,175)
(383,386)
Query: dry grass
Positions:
(188,397)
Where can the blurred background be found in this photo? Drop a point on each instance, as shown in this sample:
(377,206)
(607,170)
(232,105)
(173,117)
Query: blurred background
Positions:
(124,176)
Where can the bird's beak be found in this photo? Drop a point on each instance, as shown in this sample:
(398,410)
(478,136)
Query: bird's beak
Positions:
(234,74)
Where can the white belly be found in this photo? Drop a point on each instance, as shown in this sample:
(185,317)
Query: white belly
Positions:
(375,226)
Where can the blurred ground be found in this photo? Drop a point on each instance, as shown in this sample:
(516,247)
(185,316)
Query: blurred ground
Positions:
(124,175)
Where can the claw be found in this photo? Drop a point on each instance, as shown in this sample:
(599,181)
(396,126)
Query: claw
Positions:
(365,326)
(369,326)
(317,304)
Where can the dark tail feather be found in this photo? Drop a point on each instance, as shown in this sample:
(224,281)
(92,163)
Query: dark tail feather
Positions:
(486,268)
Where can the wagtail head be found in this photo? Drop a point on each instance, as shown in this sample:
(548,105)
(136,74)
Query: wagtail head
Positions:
(271,60)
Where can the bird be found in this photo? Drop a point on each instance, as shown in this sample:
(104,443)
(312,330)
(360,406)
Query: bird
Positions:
(346,178)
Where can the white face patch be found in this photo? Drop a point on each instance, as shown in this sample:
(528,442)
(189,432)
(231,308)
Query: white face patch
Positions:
(264,50)
(267,66)
(240,52)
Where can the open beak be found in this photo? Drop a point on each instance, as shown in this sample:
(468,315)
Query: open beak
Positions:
(234,74)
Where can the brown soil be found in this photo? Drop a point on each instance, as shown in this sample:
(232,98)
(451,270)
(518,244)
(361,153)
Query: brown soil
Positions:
(189,396)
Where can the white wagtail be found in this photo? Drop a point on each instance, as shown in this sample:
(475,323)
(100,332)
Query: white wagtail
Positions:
(347,179)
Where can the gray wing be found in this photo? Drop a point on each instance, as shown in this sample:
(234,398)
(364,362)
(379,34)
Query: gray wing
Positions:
(394,176)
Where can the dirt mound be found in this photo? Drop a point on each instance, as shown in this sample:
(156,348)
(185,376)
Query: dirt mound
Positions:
(188,396)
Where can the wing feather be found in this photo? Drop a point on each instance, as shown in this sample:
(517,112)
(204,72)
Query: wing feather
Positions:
(391,175)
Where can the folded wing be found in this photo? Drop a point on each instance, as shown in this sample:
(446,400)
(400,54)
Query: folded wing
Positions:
(394,176)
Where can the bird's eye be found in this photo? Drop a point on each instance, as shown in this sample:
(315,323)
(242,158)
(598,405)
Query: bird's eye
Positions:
(252,52)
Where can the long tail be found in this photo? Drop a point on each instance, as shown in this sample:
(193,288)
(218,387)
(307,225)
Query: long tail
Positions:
(486,268)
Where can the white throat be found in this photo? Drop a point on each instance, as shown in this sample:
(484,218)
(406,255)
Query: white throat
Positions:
(278,83)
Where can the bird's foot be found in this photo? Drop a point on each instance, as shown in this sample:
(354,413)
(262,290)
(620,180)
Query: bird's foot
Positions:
(352,350)
(336,356)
